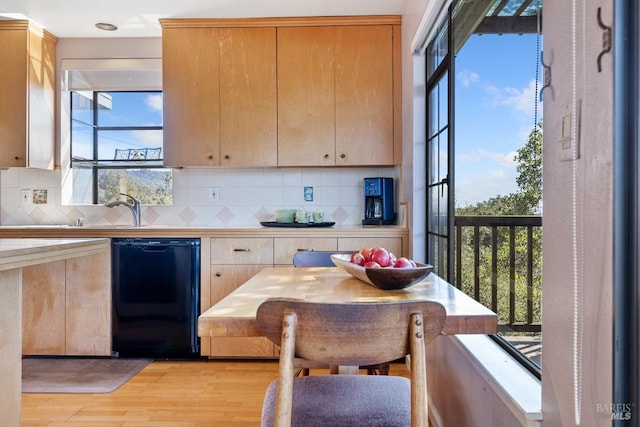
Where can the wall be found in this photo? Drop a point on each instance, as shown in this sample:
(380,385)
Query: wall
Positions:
(587,182)
(247,196)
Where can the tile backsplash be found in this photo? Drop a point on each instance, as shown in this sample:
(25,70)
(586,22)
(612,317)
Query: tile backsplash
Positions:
(245,197)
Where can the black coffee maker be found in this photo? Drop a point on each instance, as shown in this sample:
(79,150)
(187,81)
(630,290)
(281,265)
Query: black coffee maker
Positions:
(378,202)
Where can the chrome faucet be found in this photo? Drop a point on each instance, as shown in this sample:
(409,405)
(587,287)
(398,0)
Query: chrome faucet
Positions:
(132,203)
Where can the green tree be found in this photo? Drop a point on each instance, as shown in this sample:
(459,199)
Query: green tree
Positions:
(484,242)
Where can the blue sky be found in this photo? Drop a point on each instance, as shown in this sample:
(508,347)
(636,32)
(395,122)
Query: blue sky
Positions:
(495,100)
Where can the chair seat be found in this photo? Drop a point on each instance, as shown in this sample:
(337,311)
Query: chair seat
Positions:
(345,400)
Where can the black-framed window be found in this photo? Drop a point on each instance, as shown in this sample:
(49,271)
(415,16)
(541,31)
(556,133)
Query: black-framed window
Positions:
(117,147)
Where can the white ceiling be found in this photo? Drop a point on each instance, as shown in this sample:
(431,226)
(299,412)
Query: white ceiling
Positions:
(139,18)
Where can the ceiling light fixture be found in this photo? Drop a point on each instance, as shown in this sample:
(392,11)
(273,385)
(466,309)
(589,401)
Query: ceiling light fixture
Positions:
(106,26)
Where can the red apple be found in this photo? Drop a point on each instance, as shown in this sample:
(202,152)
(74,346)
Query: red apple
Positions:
(392,259)
(381,256)
(372,264)
(357,258)
(403,262)
(366,253)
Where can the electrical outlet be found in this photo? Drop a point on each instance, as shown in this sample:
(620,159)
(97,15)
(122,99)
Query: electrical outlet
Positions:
(213,194)
(25,197)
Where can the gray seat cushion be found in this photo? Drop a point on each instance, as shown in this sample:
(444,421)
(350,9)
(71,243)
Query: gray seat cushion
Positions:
(345,400)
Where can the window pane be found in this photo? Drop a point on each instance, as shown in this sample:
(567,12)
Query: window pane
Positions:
(82,107)
(443,104)
(129,109)
(443,155)
(131,144)
(432,110)
(432,146)
(81,141)
(82,185)
(149,186)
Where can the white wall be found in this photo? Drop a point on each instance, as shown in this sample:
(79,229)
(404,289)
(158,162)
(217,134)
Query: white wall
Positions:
(590,223)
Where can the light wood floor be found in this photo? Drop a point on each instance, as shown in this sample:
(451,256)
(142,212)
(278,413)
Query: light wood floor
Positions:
(166,394)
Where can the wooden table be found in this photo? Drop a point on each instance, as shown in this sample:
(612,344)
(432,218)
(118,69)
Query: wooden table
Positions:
(235,315)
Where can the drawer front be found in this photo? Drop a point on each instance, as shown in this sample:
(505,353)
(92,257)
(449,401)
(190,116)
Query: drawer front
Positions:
(352,244)
(242,251)
(285,248)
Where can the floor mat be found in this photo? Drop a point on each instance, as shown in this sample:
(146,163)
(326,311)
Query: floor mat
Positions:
(77,375)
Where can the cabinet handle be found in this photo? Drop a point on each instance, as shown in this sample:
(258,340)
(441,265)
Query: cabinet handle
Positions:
(218,274)
(210,156)
(17,158)
(228,157)
(305,250)
(342,156)
(242,250)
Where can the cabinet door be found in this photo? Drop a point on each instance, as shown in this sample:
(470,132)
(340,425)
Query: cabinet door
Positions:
(42,66)
(248,116)
(306,96)
(364,95)
(88,305)
(43,309)
(190,78)
(285,248)
(27,83)
(227,278)
(13,102)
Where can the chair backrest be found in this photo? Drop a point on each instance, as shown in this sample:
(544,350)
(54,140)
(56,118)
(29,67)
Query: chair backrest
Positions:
(352,334)
(314,258)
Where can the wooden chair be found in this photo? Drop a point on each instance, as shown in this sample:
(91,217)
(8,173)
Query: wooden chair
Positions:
(352,334)
(310,258)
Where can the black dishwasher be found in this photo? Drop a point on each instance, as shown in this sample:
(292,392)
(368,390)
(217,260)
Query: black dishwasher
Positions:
(156,297)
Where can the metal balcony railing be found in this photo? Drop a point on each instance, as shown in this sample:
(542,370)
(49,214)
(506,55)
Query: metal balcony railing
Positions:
(498,262)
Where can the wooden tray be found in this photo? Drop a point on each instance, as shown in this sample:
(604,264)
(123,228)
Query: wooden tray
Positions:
(296,224)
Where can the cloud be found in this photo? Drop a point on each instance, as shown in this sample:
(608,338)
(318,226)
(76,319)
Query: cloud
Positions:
(155,102)
(521,101)
(484,184)
(467,77)
(478,155)
(483,174)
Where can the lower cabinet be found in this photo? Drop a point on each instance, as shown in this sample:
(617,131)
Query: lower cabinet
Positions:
(67,307)
(235,260)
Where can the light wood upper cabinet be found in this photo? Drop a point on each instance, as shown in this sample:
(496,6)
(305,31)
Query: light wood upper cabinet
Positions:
(310,91)
(219,89)
(336,95)
(364,95)
(27,83)
(306,96)
(248,116)
(190,80)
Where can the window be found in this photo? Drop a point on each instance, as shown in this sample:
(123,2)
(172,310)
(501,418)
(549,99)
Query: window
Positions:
(482,238)
(116,147)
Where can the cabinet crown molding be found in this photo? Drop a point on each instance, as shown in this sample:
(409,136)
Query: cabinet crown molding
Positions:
(301,21)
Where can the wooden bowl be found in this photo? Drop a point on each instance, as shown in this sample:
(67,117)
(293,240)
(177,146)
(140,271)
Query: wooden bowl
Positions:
(383,278)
